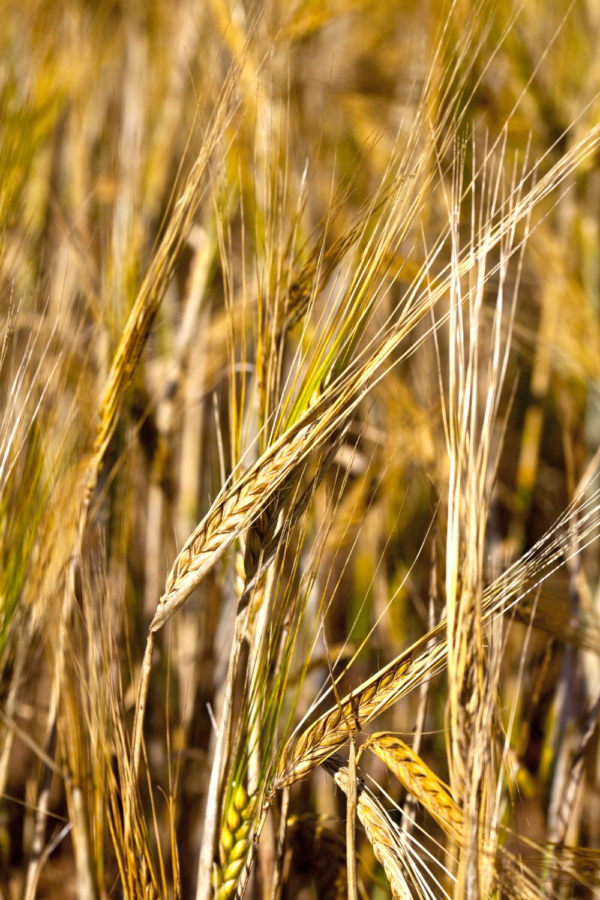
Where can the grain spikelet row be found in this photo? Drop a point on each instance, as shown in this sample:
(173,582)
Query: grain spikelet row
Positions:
(229,516)
(235,838)
(379,830)
(329,733)
(418,780)
(240,505)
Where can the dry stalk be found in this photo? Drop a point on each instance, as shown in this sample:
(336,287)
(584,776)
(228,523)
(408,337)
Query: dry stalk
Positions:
(351,791)
(571,789)
(228,879)
(211,818)
(278,874)
(410,804)
(230,867)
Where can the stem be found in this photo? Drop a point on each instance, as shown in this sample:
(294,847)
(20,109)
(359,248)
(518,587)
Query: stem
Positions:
(351,802)
(277,883)
(207,851)
(140,711)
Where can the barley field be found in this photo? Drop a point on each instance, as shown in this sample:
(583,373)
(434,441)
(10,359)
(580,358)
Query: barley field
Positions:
(299,449)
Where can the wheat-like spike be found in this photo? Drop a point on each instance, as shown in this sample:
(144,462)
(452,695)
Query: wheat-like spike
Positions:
(235,838)
(312,275)
(419,780)
(243,502)
(231,514)
(278,536)
(239,505)
(317,270)
(378,828)
(329,733)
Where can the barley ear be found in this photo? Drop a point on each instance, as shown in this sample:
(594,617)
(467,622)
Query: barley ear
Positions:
(378,827)
(234,842)
(419,781)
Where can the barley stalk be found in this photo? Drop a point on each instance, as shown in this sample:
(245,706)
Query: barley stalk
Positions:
(97,103)
(230,516)
(300,755)
(238,506)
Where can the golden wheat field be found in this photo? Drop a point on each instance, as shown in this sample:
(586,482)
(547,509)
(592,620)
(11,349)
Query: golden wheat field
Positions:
(299,449)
